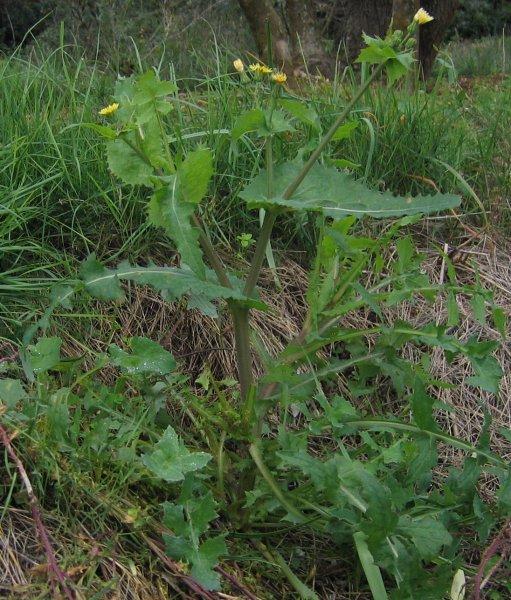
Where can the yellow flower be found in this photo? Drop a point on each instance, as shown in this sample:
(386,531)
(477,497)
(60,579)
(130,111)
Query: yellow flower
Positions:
(109,110)
(260,69)
(422,17)
(238,65)
(279,77)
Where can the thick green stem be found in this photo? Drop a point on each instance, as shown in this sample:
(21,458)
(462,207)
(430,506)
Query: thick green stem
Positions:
(260,251)
(243,356)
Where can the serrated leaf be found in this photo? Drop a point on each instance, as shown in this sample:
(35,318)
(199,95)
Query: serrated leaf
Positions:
(206,559)
(45,354)
(302,112)
(500,321)
(422,407)
(171,282)
(336,194)
(127,164)
(192,518)
(149,87)
(275,122)
(453,313)
(478,305)
(99,281)
(251,120)
(194,174)
(487,373)
(146,358)
(399,66)
(203,560)
(171,460)
(375,55)
(168,211)
(11,392)
(427,534)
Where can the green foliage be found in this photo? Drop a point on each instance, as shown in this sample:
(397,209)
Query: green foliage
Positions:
(189,520)
(171,460)
(146,358)
(290,450)
(336,194)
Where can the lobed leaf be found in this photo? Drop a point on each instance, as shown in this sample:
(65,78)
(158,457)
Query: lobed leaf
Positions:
(171,460)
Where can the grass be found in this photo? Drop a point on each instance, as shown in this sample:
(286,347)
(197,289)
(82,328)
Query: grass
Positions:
(483,57)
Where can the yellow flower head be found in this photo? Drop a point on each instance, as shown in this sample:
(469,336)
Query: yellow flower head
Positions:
(109,110)
(238,65)
(279,77)
(422,17)
(260,69)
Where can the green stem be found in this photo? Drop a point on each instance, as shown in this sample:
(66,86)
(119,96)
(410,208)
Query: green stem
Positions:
(268,477)
(211,254)
(260,251)
(271,216)
(273,556)
(243,356)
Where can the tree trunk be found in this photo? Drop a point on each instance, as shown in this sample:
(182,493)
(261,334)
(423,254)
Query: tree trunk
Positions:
(295,34)
(262,15)
(306,37)
(354,17)
(432,34)
(403,12)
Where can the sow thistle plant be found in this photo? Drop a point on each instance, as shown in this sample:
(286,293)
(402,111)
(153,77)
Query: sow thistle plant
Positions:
(371,486)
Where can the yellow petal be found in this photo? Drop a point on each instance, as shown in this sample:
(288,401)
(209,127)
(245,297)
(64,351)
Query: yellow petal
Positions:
(422,17)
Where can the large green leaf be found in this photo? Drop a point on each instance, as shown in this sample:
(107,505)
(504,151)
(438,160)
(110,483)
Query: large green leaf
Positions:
(302,112)
(173,205)
(427,534)
(263,122)
(336,194)
(167,211)
(172,282)
(100,282)
(45,355)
